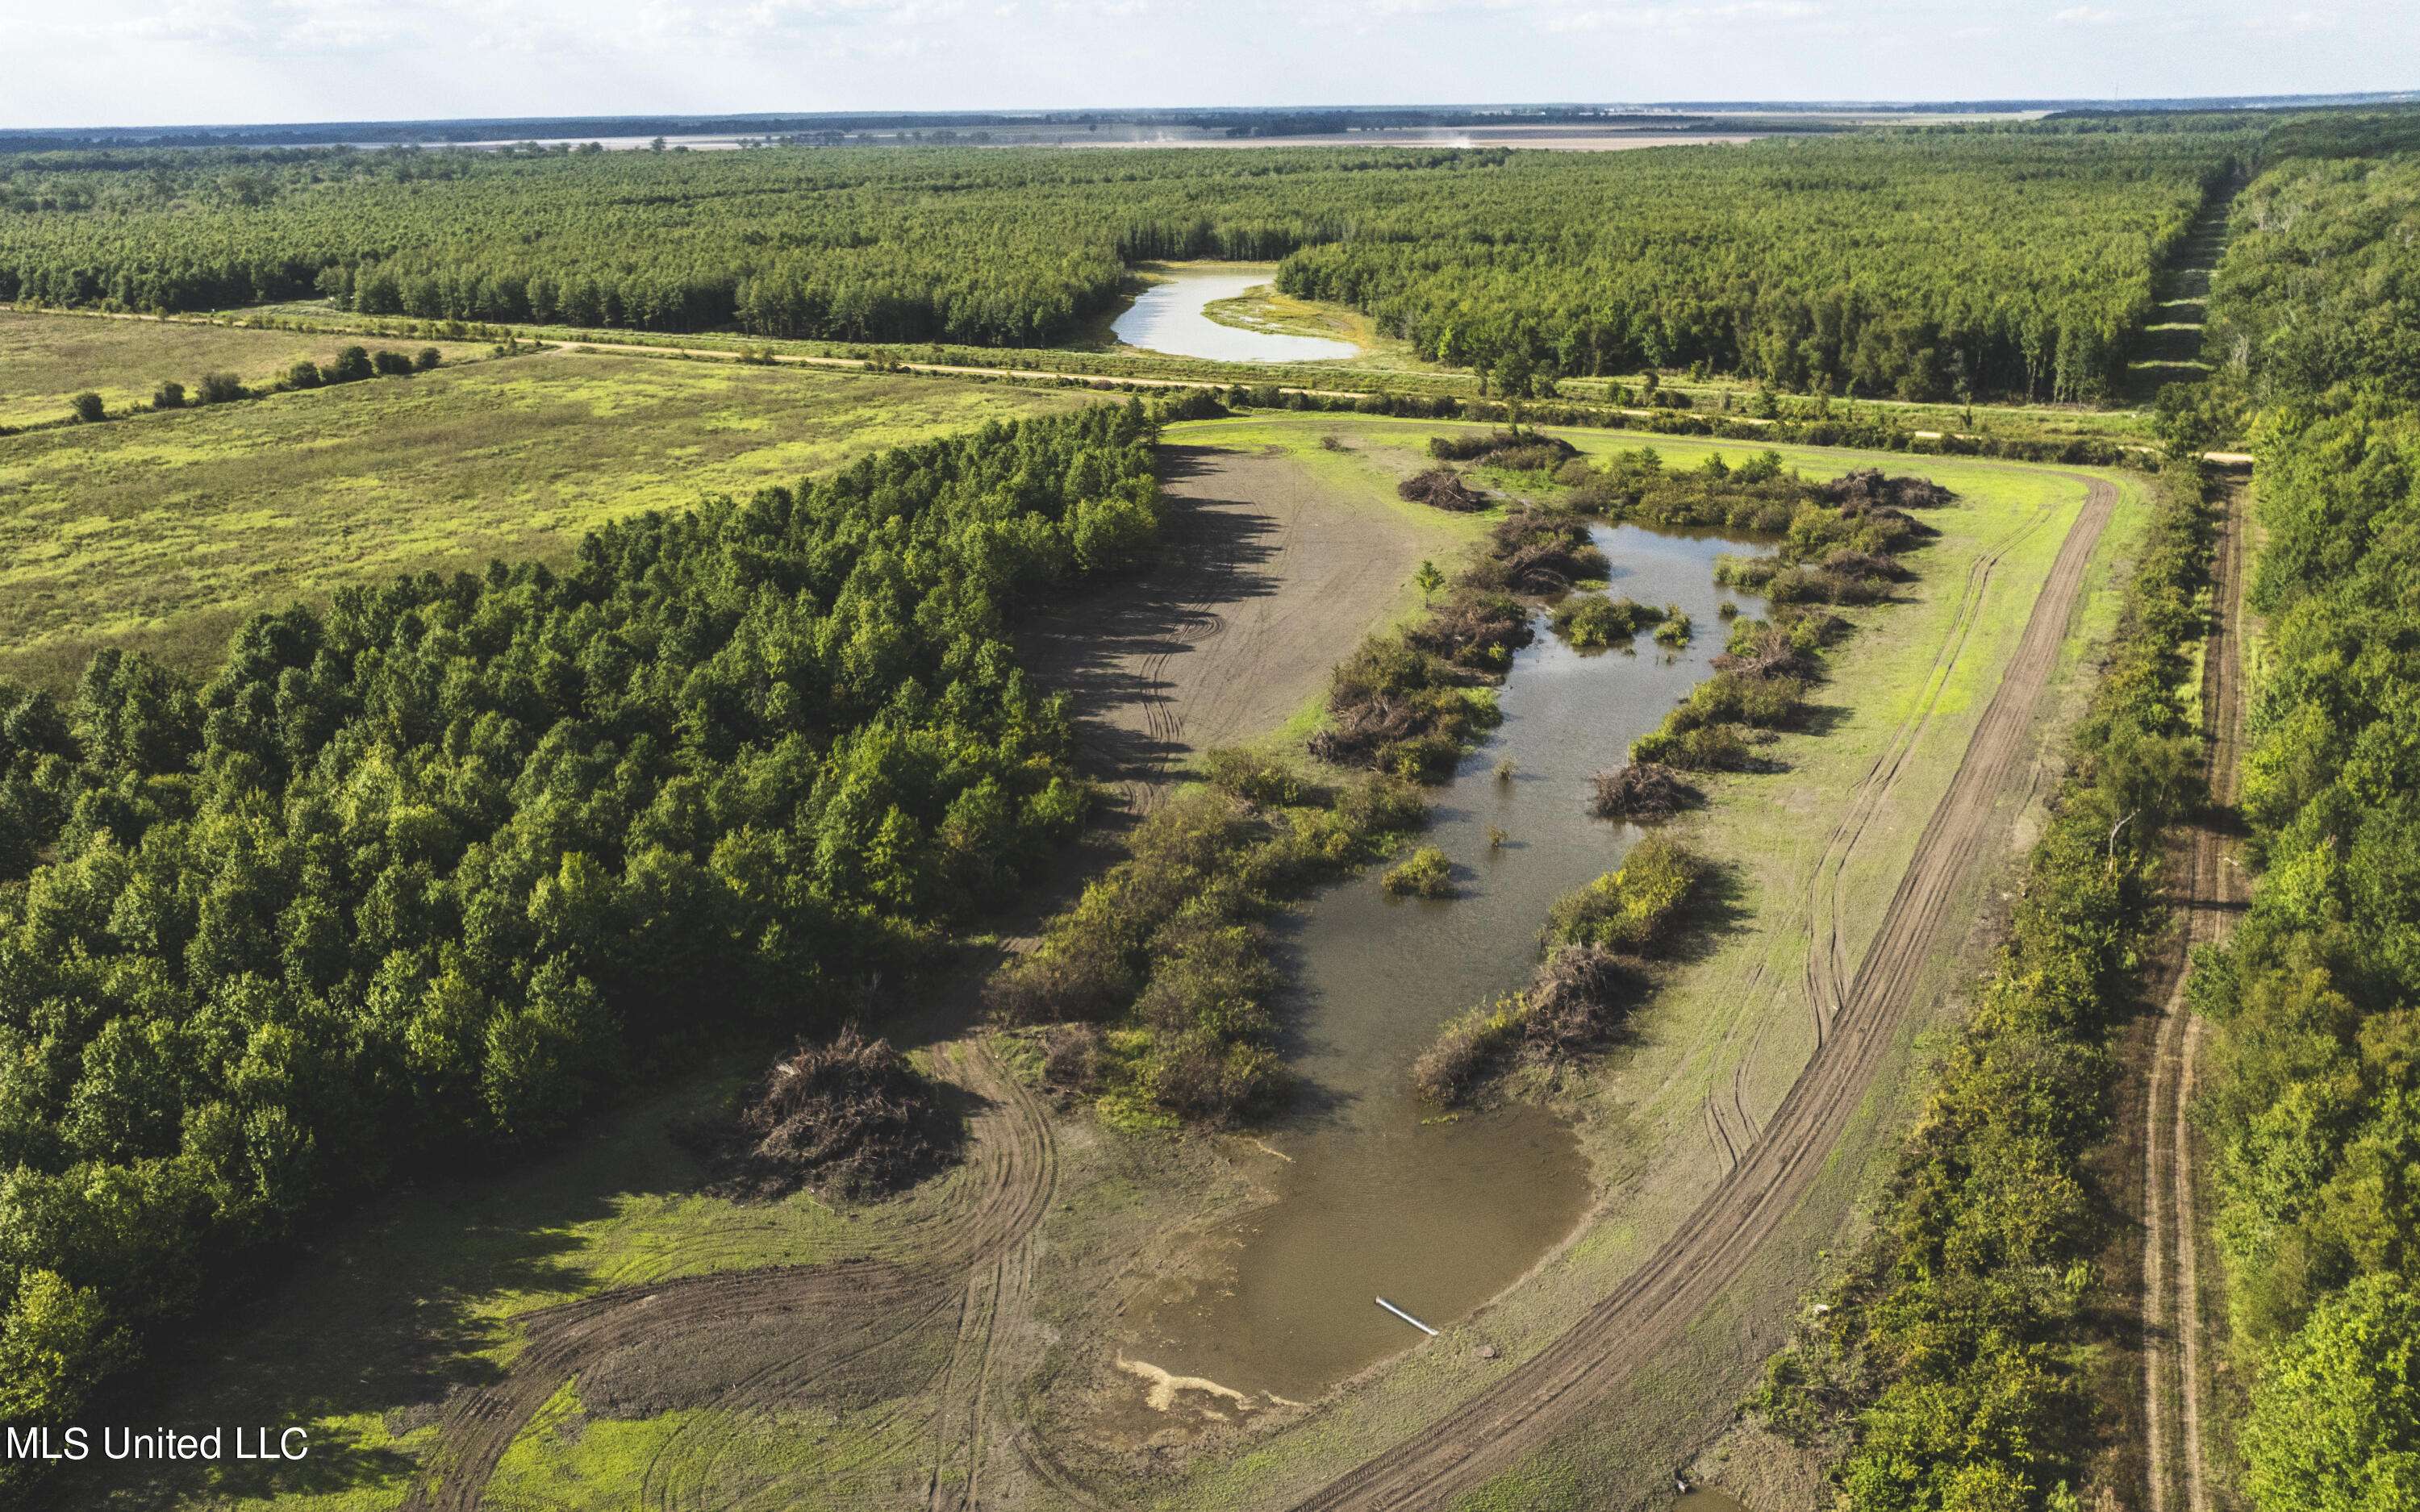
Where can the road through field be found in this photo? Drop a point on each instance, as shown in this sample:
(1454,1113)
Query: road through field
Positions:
(1654,1308)
(2215,889)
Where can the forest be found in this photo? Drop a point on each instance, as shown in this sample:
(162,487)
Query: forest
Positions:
(2316,1000)
(1952,1364)
(1922,265)
(424,872)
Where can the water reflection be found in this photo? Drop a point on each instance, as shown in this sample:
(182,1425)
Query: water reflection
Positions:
(1167,317)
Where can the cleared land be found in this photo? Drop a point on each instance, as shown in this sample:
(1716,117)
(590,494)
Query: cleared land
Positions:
(1272,564)
(1735,1033)
(558,1337)
(164,531)
(46,360)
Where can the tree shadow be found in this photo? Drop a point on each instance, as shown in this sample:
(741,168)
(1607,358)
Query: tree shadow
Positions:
(1112,651)
(362,1334)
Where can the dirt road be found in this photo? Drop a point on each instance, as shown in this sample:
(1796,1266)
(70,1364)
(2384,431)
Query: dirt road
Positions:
(1823,905)
(1655,1307)
(771,1337)
(2214,893)
(1267,579)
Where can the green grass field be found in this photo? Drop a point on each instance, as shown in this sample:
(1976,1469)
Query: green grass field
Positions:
(164,531)
(46,360)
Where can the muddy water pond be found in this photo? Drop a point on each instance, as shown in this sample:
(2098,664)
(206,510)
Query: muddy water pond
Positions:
(1168,316)
(1374,1196)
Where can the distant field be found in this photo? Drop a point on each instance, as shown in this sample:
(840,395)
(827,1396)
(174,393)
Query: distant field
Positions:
(164,531)
(46,360)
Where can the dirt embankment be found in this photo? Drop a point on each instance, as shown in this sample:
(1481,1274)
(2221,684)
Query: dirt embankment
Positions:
(1655,1307)
(1265,579)
(2214,891)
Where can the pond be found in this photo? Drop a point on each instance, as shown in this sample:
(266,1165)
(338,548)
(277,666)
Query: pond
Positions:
(1375,1196)
(1169,318)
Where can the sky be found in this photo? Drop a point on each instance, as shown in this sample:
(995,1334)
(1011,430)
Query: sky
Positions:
(155,62)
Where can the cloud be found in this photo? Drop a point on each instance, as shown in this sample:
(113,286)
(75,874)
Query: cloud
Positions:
(2086,16)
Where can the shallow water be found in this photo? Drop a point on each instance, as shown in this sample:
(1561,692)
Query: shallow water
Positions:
(1167,317)
(1371,1201)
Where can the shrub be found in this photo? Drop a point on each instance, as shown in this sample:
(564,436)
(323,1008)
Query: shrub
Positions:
(390,363)
(1593,622)
(427,357)
(222,388)
(87,407)
(302,374)
(1631,910)
(1426,873)
(351,365)
(170,395)
(1260,779)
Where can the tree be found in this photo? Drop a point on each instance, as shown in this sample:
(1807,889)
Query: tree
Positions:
(2336,1421)
(389,364)
(1429,578)
(302,374)
(222,388)
(428,358)
(170,395)
(88,407)
(351,365)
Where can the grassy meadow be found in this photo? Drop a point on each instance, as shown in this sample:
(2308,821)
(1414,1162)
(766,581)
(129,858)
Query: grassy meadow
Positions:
(164,531)
(47,360)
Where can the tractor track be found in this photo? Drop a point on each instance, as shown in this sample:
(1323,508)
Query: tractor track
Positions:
(1651,1309)
(1826,973)
(2215,889)
(835,1314)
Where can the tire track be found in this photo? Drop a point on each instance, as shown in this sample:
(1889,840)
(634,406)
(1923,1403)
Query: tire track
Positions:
(1652,1308)
(837,1314)
(2171,1219)
(1825,972)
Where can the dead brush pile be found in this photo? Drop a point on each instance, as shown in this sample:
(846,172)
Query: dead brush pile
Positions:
(1642,790)
(1516,448)
(849,1118)
(1578,999)
(1869,489)
(1442,488)
(1533,550)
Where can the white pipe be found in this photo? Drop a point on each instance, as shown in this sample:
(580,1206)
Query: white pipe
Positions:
(1407,1316)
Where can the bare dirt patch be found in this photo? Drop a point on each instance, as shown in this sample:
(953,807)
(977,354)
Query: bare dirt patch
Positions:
(1266,577)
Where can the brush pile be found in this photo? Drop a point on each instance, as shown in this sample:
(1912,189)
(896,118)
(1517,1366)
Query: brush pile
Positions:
(1642,790)
(1442,488)
(850,1118)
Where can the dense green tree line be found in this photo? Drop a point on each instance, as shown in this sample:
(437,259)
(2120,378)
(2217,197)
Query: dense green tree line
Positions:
(2314,1106)
(2322,280)
(1949,1372)
(417,874)
(2314,1061)
(1911,266)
